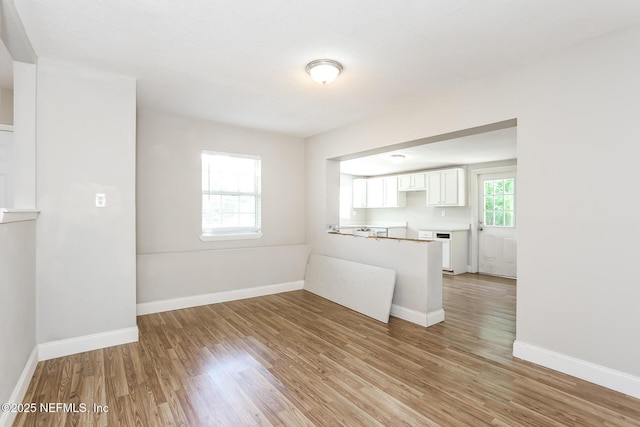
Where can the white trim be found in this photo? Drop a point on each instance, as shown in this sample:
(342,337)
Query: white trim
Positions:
(417,317)
(53,349)
(6,418)
(601,375)
(473,203)
(15,215)
(435,317)
(243,236)
(216,297)
(6,128)
(409,315)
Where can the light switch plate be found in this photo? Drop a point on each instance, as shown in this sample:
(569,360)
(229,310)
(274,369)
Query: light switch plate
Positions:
(101,200)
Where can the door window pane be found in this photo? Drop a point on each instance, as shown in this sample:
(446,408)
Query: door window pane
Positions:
(488,218)
(499,202)
(508,219)
(488,187)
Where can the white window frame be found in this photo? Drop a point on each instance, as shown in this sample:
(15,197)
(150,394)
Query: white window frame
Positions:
(233,233)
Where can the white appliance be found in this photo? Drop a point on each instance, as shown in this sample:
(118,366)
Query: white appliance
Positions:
(371,232)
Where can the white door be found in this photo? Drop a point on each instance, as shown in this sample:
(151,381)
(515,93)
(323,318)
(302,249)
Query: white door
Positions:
(497,243)
(6,154)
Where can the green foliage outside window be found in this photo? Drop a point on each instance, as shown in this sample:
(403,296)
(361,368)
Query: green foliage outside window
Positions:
(499,202)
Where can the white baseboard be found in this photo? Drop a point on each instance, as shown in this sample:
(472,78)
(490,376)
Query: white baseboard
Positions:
(417,317)
(6,418)
(53,349)
(606,377)
(214,298)
(409,315)
(435,317)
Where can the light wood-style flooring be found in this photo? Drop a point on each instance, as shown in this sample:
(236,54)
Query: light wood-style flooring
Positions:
(295,359)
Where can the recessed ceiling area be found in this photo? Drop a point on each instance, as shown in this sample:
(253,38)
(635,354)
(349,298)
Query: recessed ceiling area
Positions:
(480,148)
(243,62)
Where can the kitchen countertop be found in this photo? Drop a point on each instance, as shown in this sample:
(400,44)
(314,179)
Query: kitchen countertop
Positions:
(448,227)
(391,224)
(378,237)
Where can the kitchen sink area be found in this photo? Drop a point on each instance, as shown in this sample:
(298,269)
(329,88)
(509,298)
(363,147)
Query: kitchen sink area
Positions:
(387,229)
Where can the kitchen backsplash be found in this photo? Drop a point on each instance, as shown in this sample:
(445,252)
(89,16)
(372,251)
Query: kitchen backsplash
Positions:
(417,215)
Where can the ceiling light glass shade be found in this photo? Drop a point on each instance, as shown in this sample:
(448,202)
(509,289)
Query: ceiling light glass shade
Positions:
(324,70)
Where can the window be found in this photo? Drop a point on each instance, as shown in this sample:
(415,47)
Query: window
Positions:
(230,196)
(499,202)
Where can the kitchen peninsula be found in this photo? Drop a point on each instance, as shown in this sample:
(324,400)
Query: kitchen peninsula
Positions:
(417,296)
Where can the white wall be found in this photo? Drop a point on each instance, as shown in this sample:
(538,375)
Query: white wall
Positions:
(86,268)
(24,134)
(18,301)
(6,106)
(173,261)
(577,287)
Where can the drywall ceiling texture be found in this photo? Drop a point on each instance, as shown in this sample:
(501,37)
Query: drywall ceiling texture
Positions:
(577,287)
(243,62)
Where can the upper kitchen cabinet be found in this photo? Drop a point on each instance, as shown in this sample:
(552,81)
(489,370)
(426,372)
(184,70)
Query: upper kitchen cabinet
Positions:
(412,182)
(446,187)
(379,192)
(359,193)
(383,193)
(393,197)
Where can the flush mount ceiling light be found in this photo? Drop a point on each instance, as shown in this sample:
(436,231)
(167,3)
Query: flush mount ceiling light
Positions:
(397,157)
(324,70)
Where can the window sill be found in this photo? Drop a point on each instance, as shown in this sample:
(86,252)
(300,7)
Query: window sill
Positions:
(220,237)
(15,215)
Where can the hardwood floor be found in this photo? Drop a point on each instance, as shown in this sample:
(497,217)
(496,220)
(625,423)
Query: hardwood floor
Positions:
(295,359)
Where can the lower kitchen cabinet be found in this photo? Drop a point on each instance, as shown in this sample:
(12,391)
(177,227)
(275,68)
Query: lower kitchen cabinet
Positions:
(454,248)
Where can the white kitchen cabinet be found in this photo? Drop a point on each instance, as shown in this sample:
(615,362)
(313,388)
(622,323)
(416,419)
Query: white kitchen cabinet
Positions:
(454,248)
(381,192)
(375,192)
(412,182)
(392,196)
(359,193)
(446,187)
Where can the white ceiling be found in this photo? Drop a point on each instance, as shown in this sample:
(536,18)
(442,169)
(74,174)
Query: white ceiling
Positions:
(484,147)
(242,62)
